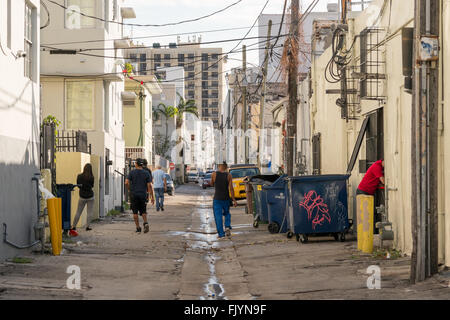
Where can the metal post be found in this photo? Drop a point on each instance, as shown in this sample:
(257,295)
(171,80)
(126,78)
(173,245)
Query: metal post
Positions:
(263,97)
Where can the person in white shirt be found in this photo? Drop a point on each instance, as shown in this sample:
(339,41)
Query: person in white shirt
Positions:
(159,187)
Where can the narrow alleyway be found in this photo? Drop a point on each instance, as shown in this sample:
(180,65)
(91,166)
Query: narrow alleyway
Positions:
(181,258)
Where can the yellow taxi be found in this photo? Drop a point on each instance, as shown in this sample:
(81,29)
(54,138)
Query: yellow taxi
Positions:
(238,173)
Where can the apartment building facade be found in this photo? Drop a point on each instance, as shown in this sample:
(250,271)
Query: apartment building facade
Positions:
(19,123)
(203,71)
(85,92)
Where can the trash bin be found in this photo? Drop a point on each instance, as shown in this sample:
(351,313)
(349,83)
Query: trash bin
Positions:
(276,205)
(64,191)
(260,197)
(317,205)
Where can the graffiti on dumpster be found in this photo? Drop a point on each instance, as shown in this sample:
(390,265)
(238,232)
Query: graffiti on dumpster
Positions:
(317,210)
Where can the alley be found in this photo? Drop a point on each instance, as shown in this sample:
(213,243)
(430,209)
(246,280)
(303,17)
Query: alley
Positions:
(181,258)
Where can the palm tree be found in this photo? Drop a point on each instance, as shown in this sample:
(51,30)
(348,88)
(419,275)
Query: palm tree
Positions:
(166,111)
(185,106)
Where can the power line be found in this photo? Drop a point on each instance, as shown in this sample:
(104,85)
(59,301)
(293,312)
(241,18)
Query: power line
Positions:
(153,36)
(184,44)
(146,25)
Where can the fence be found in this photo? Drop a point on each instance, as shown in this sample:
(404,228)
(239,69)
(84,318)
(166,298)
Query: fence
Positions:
(72,141)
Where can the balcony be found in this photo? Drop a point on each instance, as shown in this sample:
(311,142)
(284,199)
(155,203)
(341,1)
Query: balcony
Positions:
(134,153)
(72,141)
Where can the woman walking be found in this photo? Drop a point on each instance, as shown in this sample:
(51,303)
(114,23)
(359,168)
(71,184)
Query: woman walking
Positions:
(86,180)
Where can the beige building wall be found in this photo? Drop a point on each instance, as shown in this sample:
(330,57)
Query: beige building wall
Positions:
(444,140)
(338,137)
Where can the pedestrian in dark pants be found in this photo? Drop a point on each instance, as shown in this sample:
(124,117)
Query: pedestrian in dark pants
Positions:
(223,184)
(140,187)
(86,180)
(160,185)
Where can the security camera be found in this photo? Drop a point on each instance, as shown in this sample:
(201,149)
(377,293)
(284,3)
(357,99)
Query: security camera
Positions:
(21,54)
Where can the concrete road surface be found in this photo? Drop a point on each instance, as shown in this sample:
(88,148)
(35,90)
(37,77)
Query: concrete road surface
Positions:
(181,258)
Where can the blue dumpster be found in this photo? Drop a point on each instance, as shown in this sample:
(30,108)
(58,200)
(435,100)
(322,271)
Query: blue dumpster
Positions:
(276,205)
(64,191)
(317,205)
(260,197)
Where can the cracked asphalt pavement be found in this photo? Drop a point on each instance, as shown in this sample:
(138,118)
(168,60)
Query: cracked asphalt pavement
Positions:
(181,258)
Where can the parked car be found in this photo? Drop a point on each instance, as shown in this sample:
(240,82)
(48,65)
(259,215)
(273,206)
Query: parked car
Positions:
(193,177)
(170,185)
(238,173)
(207,181)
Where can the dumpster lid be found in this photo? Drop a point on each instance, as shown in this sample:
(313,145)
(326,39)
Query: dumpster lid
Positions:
(323,177)
(264,178)
(279,183)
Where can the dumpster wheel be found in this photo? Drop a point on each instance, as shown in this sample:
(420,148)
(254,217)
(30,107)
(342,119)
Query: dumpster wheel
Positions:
(341,237)
(289,234)
(303,238)
(273,227)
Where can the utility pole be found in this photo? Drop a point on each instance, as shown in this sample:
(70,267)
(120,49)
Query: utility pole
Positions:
(292,87)
(263,97)
(424,257)
(244,101)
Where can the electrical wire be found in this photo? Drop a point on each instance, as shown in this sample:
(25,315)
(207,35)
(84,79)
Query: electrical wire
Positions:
(152,36)
(147,25)
(48,15)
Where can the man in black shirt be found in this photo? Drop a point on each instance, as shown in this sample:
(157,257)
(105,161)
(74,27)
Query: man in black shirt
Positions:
(139,185)
(223,184)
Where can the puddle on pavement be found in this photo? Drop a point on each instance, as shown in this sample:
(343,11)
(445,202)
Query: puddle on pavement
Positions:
(213,289)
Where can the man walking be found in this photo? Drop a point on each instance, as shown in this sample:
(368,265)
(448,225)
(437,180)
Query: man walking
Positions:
(139,184)
(160,186)
(222,182)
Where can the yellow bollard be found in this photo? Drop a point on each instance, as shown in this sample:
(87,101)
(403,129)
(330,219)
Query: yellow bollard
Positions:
(365,207)
(54,218)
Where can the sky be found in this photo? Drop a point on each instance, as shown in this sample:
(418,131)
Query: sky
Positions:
(242,15)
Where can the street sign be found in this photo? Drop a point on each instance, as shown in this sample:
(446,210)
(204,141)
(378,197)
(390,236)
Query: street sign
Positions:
(172,166)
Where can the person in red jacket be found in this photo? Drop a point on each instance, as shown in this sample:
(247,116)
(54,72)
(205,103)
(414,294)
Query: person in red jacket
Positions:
(372,179)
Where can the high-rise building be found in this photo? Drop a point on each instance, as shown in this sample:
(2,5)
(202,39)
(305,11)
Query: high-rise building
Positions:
(203,71)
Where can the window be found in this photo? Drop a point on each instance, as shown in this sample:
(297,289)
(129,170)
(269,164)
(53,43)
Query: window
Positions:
(191,94)
(204,75)
(191,56)
(80,105)
(143,68)
(167,65)
(76,21)
(143,57)
(191,75)
(214,75)
(205,94)
(215,84)
(204,84)
(180,57)
(204,103)
(205,66)
(157,65)
(167,56)
(28,41)
(133,57)
(157,57)
(214,57)
(204,57)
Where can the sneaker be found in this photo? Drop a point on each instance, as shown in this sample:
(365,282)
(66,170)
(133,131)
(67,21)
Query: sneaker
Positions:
(146,228)
(138,230)
(157,209)
(73,233)
(221,238)
(228,232)
(162,208)
(88,228)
